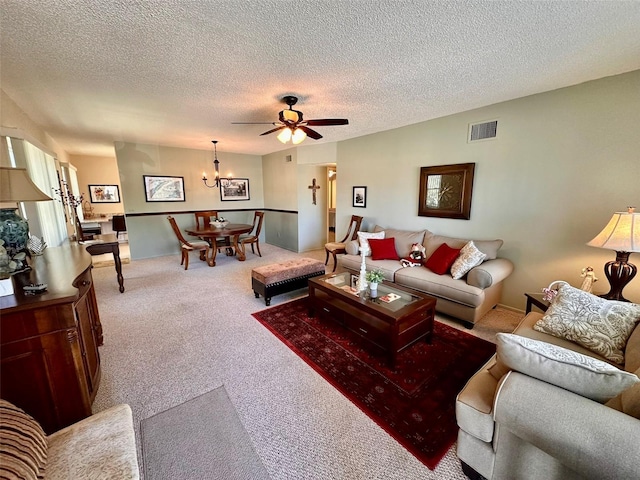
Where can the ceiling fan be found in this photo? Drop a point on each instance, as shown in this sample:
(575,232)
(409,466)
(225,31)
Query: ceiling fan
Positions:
(293,127)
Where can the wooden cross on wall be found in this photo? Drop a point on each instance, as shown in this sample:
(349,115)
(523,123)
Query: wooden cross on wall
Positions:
(314,187)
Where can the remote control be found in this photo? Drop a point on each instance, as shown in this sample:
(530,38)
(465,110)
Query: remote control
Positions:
(35,287)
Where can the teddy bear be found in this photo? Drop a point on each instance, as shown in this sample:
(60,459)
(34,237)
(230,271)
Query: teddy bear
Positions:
(416,256)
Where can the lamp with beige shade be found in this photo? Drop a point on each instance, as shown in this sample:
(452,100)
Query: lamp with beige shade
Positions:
(621,234)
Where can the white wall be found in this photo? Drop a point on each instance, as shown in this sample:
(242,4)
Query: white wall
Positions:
(312,219)
(563,162)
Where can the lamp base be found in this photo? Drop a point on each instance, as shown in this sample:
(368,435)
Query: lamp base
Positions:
(14,230)
(619,274)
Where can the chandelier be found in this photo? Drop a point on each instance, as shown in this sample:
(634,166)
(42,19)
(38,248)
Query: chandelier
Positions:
(216,166)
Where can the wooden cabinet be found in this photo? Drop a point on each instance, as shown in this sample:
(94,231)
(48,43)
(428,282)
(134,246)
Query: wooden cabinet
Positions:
(49,342)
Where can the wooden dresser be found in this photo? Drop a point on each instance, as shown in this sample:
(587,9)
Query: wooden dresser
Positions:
(49,342)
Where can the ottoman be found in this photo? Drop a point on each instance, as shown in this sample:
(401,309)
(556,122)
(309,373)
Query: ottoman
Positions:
(277,278)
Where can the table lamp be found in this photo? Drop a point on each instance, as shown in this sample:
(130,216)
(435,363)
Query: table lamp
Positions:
(16,186)
(621,234)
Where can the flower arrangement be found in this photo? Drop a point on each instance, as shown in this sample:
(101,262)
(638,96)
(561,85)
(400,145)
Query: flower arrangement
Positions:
(219,222)
(375,276)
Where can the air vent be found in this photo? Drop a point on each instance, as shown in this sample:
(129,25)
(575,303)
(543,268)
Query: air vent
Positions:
(483,131)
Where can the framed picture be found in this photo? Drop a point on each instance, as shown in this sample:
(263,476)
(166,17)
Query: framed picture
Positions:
(234,189)
(163,189)
(104,193)
(445,191)
(360,197)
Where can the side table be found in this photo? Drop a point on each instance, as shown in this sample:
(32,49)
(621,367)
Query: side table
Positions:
(536,299)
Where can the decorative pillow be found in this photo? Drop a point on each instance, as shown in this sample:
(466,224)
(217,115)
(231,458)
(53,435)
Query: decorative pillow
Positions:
(352,247)
(23,444)
(602,326)
(383,249)
(442,259)
(364,237)
(573,371)
(404,238)
(469,257)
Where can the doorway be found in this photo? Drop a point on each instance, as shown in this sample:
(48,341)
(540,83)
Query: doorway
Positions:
(332,175)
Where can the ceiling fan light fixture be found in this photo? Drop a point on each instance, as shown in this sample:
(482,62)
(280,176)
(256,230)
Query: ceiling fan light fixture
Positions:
(291,115)
(298,136)
(285,135)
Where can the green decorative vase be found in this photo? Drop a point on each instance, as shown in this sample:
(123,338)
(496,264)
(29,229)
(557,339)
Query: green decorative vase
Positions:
(14,230)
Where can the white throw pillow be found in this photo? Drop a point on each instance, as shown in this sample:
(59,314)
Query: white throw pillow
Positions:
(602,326)
(573,371)
(364,237)
(469,257)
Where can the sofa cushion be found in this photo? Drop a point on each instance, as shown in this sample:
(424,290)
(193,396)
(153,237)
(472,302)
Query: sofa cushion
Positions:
(488,247)
(363,238)
(403,238)
(581,374)
(23,444)
(603,326)
(383,249)
(441,260)
(474,404)
(352,247)
(389,267)
(628,401)
(469,257)
(441,286)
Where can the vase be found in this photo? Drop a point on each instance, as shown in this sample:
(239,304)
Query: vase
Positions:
(14,230)
(373,289)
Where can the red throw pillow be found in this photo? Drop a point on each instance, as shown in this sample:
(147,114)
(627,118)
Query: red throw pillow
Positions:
(441,260)
(384,249)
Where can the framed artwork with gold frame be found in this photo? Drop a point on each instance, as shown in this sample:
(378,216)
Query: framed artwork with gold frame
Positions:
(445,191)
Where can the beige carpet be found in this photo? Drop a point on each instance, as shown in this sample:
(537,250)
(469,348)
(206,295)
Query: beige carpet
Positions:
(174,335)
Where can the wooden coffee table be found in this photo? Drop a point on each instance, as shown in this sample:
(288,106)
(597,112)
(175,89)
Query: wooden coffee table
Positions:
(391,327)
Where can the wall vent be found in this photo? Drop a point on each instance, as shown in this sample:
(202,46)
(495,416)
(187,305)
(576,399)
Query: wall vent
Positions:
(287,158)
(483,131)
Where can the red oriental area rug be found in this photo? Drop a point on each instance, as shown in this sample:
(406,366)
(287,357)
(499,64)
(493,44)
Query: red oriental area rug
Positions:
(415,402)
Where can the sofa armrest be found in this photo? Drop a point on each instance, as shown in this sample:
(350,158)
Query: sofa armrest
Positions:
(489,273)
(585,436)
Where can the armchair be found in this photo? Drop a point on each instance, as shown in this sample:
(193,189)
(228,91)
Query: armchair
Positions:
(335,248)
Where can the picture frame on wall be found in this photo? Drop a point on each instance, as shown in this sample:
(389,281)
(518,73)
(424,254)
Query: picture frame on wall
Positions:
(163,188)
(360,197)
(104,193)
(234,189)
(445,191)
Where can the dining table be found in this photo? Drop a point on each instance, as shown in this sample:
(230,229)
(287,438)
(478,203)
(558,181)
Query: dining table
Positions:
(231,233)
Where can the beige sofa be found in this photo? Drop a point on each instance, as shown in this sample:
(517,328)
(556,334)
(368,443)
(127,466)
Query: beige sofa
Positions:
(467,299)
(515,426)
(100,447)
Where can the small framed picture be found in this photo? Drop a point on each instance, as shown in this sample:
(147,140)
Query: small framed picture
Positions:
(234,189)
(354,281)
(163,189)
(104,193)
(360,197)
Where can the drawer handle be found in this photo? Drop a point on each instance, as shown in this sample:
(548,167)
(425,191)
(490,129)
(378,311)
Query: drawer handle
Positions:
(326,310)
(84,283)
(363,330)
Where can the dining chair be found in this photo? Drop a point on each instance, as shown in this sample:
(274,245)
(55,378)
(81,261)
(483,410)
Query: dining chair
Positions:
(254,235)
(187,246)
(118,224)
(203,218)
(335,248)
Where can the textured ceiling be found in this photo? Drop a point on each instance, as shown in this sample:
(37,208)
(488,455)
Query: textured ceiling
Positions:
(177,73)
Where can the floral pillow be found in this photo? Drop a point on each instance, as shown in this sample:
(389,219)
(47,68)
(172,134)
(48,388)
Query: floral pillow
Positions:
(602,326)
(469,257)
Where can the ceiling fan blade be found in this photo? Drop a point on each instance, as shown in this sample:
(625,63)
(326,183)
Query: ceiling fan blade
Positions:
(327,122)
(252,123)
(310,133)
(273,130)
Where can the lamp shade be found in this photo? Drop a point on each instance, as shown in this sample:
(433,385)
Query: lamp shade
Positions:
(621,234)
(16,186)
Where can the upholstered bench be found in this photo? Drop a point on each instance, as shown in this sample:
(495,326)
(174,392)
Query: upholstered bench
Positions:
(278,278)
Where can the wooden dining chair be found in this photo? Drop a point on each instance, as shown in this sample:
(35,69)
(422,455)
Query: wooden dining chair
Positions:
(203,218)
(187,246)
(254,235)
(334,248)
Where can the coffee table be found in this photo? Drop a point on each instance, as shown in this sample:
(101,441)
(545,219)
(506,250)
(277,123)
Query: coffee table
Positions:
(391,327)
